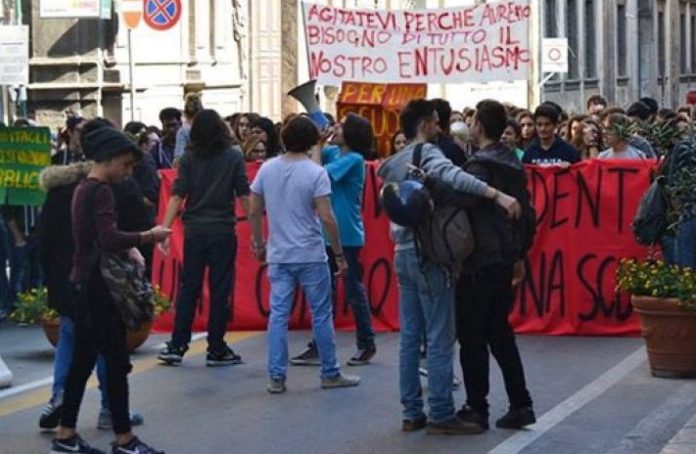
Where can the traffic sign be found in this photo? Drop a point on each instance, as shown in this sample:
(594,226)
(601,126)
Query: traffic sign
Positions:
(554,55)
(132,11)
(162,14)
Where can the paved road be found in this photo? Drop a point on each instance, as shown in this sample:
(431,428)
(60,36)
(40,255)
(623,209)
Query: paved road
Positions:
(592,395)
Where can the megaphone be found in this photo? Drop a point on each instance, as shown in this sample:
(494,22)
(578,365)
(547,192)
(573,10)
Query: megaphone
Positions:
(305,94)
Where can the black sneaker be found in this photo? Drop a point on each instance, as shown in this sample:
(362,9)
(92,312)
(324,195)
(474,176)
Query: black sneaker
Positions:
(308,357)
(454,426)
(74,445)
(224,357)
(517,418)
(50,415)
(172,355)
(363,356)
(413,425)
(135,446)
(468,414)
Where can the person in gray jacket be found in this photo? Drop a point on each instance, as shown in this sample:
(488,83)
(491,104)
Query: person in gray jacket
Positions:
(426,295)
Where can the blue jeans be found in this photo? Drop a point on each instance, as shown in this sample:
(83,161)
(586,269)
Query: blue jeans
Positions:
(63,359)
(315,281)
(680,249)
(426,307)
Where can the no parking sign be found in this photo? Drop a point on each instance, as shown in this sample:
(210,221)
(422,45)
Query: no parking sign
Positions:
(162,14)
(554,55)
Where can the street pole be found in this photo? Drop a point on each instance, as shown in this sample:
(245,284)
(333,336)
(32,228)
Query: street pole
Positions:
(130,70)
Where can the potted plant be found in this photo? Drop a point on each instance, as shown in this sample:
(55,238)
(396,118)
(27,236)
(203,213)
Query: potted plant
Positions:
(162,303)
(664,297)
(31,308)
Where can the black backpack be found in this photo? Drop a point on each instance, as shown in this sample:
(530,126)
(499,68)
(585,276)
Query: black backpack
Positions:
(446,237)
(650,221)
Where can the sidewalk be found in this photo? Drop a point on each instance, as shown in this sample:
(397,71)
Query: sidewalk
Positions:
(684,442)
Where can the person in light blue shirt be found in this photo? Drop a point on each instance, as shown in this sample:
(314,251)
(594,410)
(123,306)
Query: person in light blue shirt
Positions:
(344,162)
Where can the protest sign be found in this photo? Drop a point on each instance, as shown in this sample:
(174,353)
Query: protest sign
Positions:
(24,152)
(481,43)
(583,229)
(380,104)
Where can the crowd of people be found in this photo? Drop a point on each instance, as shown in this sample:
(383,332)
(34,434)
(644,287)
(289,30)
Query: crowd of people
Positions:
(103,193)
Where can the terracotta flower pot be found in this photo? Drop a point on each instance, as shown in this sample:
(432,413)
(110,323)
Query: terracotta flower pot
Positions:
(669,331)
(134,339)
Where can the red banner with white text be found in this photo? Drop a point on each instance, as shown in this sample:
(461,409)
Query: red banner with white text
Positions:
(584,227)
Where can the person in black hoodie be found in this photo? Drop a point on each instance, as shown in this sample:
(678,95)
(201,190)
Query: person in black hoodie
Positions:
(485,290)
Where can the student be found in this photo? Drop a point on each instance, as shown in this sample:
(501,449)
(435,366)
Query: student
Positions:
(619,146)
(211,176)
(98,325)
(512,135)
(485,292)
(547,148)
(295,193)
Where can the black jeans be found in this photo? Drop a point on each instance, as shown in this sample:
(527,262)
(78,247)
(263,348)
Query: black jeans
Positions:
(218,253)
(98,329)
(484,301)
(355,295)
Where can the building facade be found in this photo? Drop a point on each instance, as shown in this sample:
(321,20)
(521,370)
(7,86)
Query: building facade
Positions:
(244,55)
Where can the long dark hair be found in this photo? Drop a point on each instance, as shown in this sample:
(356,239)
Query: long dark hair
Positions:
(358,135)
(209,134)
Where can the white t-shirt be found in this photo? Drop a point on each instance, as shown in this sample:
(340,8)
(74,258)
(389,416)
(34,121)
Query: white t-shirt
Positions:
(628,153)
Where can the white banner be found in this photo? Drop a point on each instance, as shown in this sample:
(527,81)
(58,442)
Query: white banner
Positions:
(14,55)
(554,55)
(481,43)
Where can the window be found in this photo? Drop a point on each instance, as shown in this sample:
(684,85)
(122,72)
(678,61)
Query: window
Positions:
(590,41)
(661,61)
(550,25)
(621,51)
(682,44)
(572,34)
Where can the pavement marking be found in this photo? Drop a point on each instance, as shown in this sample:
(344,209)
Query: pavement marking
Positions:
(41,393)
(591,391)
(49,380)
(657,421)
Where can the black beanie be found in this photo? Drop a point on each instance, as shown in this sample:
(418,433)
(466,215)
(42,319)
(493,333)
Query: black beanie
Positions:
(106,143)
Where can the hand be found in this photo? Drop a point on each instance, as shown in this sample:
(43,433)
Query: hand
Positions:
(341,266)
(136,257)
(518,273)
(164,247)
(510,204)
(260,255)
(160,233)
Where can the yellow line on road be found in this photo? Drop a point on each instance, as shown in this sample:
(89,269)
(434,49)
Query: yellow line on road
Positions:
(41,395)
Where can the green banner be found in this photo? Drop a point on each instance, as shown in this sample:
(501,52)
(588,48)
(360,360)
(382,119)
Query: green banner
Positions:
(24,153)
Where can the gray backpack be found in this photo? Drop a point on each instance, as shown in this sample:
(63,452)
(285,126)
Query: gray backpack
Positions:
(446,237)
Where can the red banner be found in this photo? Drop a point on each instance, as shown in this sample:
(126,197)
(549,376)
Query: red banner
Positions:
(584,227)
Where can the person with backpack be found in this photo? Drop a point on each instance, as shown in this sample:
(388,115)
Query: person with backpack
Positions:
(426,289)
(485,289)
(99,328)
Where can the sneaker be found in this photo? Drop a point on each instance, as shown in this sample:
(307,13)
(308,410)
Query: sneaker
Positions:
(363,356)
(308,357)
(340,381)
(516,418)
(74,445)
(224,357)
(276,385)
(409,425)
(135,446)
(172,355)
(104,421)
(453,426)
(50,415)
(468,414)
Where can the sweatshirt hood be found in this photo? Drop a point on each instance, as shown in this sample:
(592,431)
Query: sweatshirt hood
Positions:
(56,176)
(499,155)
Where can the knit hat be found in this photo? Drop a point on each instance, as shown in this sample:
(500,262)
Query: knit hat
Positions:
(107,143)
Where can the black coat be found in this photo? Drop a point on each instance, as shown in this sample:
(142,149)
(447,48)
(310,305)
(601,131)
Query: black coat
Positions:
(498,239)
(54,229)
